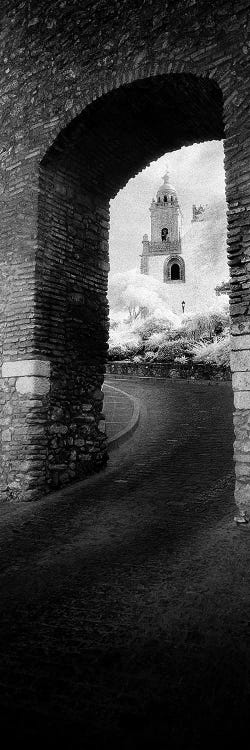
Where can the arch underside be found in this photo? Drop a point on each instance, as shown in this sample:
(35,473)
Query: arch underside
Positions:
(122,132)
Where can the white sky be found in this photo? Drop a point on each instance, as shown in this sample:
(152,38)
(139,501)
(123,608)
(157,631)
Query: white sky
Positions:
(197,173)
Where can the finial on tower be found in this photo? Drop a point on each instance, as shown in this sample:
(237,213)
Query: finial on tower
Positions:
(165,177)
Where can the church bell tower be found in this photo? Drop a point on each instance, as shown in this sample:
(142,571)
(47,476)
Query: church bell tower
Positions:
(162,255)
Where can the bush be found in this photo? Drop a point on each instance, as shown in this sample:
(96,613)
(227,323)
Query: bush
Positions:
(217,353)
(126,350)
(117,353)
(136,294)
(172,349)
(151,326)
(164,339)
(156,340)
(180,333)
(206,325)
(181,359)
(149,356)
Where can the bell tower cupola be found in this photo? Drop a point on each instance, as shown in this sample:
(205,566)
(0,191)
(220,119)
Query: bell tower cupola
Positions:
(162,253)
(166,217)
(165,238)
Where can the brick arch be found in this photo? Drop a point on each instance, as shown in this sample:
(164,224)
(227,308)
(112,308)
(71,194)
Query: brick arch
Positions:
(89,162)
(65,84)
(112,82)
(187,108)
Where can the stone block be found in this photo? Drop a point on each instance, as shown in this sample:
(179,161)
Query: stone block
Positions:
(6,436)
(101,425)
(241,328)
(24,466)
(242,494)
(242,399)
(241,381)
(58,429)
(242,469)
(34,385)
(57,414)
(26,368)
(240,342)
(241,446)
(240,360)
(243,458)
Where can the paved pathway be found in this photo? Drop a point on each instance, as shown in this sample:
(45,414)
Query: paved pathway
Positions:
(125,604)
(118,409)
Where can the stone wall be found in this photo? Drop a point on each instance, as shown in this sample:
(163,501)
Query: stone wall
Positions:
(90,94)
(173,370)
(165,216)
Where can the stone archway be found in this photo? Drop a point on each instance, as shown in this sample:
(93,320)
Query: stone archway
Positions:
(86,166)
(79,124)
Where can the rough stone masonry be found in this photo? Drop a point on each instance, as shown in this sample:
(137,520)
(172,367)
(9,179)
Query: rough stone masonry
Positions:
(91,92)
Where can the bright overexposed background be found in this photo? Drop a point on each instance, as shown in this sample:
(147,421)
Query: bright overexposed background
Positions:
(142,325)
(197,173)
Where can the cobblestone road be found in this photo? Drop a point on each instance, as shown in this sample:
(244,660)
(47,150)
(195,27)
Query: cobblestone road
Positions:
(125,605)
(118,409)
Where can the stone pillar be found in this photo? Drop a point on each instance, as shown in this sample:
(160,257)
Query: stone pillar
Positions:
(24,383)
(53,326)
(237,159)
(72,314)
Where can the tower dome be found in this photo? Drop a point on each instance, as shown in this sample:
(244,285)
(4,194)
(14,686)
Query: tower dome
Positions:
(166,190)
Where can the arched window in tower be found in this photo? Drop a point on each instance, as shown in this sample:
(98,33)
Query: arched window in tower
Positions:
(164,234)
(175,272)
(165,199)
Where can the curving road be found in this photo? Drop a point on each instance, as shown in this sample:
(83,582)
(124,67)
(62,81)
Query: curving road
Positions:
(125,603)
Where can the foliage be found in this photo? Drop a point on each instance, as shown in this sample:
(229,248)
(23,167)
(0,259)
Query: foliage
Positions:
(151,326)
(181,359)
(206,325)
(169,350)
(216,353)
(124,351)
(117,353)
(144,329)
(149,356)
(136,296)
(138,358)
(156,340)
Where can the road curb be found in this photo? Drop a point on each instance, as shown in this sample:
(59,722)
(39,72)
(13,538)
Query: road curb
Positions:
(124,434)
(81,484)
